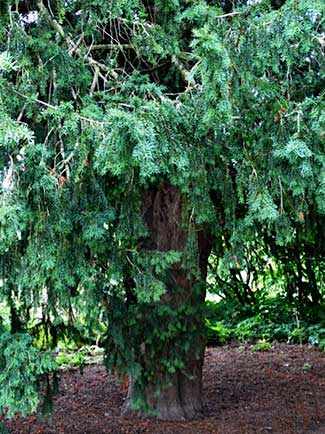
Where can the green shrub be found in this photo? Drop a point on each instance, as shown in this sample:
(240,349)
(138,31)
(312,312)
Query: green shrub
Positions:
(316,336)
(272,319)
(217,332)
(307,367)
(249,329)
(227,310)
(262,345)
(71,360)
(298,335)
(21,366)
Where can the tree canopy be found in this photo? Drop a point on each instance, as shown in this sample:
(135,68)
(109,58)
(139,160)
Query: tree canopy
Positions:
(136,139)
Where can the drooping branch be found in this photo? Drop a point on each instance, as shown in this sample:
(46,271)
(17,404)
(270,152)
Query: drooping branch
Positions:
(73,47)
(53,107)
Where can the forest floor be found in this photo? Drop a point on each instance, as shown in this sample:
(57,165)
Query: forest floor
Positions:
(280,391)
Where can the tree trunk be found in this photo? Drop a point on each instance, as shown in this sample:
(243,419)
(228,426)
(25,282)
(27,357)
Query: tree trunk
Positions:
(181,397)
(180,400)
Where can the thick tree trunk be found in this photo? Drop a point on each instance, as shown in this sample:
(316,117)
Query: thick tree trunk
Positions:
(180,400)
(165,216)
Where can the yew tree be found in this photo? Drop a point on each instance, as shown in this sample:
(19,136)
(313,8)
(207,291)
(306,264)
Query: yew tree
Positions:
(137,137)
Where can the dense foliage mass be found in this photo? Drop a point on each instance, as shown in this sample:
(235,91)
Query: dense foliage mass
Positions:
(137,139)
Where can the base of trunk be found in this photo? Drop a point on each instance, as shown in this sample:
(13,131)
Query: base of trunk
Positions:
(179,401)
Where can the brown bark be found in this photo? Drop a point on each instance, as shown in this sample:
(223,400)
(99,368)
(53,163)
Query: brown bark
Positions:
(180,400)
(165,216)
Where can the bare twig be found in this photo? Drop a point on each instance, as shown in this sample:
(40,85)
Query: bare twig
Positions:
(110,46)
(21,114)
(231,14)
(95,80)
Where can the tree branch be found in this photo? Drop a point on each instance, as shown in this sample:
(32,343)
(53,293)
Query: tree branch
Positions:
(53,107)
(73,48)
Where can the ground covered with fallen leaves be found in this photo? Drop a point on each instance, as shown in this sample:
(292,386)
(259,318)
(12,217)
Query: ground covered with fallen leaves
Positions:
(280,391)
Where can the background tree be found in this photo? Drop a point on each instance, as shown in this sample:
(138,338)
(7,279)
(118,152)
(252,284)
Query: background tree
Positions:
(137,137)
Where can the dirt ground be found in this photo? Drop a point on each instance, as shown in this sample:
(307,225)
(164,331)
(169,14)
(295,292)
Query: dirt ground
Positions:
(281,391)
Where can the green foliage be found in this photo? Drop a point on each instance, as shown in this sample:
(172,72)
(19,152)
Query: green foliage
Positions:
(307,367)
(298,335)
(270,319)
(316,336)
(217,332)
(101,103)
(262,345)
(66,360)
(21,366)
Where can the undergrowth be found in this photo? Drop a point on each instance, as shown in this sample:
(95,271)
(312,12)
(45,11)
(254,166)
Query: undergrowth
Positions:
(270,319)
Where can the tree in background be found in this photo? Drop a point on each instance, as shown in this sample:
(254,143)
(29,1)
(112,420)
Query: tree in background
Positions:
(137,137)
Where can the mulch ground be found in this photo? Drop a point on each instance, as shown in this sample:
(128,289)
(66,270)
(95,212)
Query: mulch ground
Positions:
(281,391)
